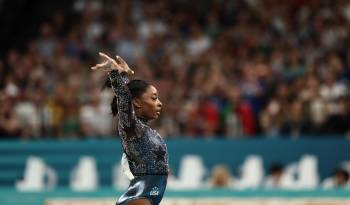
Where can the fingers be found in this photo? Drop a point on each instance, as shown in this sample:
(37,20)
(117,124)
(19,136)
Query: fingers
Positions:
(130,72)
(105,56)
(100,65)
(124,65)
(118,64)
(110,60)
(120,60)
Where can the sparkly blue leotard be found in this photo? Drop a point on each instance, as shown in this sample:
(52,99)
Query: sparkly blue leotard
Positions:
(145,149)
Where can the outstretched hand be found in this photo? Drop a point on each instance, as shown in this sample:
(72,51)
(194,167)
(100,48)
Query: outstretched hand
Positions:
(110,64)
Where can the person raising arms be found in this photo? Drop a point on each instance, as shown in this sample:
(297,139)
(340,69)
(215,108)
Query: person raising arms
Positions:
(145,155)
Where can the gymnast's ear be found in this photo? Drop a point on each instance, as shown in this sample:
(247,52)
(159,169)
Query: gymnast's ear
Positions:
(137,103)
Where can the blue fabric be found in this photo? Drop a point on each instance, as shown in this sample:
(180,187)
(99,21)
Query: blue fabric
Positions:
(145,149)
(150,187)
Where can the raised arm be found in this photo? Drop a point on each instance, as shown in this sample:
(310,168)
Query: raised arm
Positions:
(126,115)
(118,74)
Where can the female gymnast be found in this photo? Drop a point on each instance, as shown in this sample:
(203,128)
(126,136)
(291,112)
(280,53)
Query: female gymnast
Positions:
(135,103)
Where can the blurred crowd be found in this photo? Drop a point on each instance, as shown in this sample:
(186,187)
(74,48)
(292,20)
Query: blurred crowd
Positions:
(277,178)
(222,68)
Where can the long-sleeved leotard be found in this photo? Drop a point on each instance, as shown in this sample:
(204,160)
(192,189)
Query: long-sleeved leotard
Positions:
(145,149)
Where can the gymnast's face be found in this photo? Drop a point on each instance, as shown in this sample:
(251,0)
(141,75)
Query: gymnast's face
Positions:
(148,105)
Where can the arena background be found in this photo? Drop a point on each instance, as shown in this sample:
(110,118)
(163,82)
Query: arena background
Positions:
(255,93)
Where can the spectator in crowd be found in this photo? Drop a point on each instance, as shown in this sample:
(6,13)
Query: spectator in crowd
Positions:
(9,125)
(234,68)
(340,179)
(273,180)
(95,116)
(221,177)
